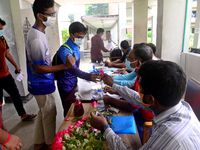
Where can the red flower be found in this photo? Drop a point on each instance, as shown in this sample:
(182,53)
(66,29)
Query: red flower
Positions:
(94,104)
(102,73)
(67,119)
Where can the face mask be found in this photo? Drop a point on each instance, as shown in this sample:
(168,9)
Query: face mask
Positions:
(142,97)
(78,41)
(50,21)
(1,33)
(128,65)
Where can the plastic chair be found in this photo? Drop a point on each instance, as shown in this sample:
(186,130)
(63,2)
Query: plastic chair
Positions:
(192,96)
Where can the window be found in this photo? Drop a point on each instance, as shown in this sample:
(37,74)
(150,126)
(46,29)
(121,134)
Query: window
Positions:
(194,14)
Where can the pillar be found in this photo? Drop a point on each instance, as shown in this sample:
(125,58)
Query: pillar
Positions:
(197,27)
(188,26)
(153,11)
(122,22)
(140,20)
(170,27)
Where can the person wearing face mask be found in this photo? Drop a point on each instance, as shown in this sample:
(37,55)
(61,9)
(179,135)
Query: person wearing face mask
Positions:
(41,73)
(162,85)
(120,63)
(7,82)
(140,53)
(96,47)
(67,80)
(129,78)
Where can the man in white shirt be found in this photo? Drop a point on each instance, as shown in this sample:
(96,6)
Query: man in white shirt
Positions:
(162,85)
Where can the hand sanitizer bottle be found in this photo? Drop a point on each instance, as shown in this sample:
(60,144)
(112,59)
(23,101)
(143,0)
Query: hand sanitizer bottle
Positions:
(78,107)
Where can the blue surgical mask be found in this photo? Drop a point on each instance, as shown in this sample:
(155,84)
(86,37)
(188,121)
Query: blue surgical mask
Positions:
(128,66)
(1,33)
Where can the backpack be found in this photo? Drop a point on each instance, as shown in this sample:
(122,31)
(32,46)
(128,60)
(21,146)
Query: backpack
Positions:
(116,54)
(57,61)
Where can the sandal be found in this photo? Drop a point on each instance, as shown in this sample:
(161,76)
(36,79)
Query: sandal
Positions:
(29,117)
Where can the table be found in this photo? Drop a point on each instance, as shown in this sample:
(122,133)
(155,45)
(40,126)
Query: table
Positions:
(85,87)
(132,140)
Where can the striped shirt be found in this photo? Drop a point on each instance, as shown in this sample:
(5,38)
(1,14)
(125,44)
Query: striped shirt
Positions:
(174,129)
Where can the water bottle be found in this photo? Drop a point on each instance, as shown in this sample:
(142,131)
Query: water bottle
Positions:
(100,101)
(94,95)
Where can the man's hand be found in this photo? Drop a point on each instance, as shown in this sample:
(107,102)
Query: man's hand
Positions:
(18,69)
(98,122)
(109,90)
(107,80)
(14,143)
(95,77)
(111,50)
(70,61)
(107,63)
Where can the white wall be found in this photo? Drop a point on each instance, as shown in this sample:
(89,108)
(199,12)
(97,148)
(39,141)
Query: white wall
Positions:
(114,33)
(10,12)
(190,64)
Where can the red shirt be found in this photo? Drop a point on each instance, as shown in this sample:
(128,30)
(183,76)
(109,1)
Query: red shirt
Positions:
(3,48)
(97,46)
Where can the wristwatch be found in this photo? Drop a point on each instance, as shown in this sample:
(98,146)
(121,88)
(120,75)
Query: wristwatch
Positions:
(104,128)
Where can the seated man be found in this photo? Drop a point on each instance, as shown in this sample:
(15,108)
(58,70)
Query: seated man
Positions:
(120,63)
(162,85)
(140,54)
(129,78)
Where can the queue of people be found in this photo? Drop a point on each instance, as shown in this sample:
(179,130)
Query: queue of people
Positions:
(155,87)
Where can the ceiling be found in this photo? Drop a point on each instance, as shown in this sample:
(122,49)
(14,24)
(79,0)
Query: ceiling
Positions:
(101,21)
(80,2)
(107,21)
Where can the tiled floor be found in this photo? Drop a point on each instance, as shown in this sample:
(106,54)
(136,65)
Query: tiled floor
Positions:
(25,130)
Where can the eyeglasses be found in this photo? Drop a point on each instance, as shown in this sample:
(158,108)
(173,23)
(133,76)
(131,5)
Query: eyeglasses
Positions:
(51,14)
(78,37)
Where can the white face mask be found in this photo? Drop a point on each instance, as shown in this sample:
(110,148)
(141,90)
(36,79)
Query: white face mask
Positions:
(78,41)
(50,21)
(1,33)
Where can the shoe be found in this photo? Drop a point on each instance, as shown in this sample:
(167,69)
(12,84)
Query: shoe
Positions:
(29,117)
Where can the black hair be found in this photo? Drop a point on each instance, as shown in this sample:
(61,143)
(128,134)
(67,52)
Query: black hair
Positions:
(142,52)
(165,80)
(77,27)
(124,44)
(100,30)
(2,22)
(40,6)
(153,47)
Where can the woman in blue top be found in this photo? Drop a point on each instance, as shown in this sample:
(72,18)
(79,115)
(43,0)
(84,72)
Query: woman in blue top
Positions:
(67,80)
(126,79)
